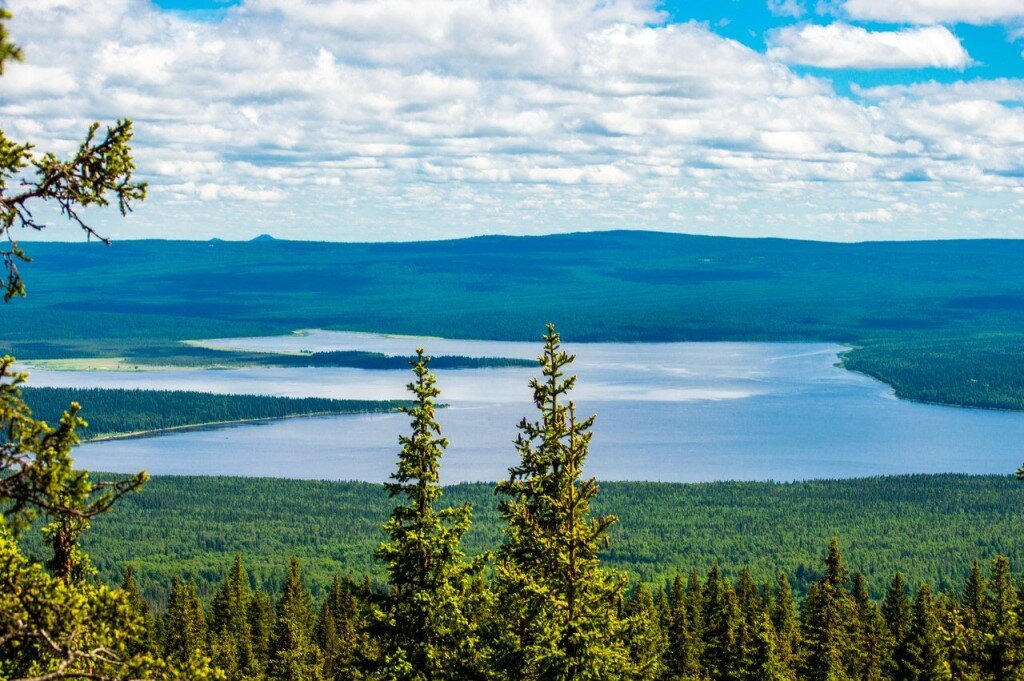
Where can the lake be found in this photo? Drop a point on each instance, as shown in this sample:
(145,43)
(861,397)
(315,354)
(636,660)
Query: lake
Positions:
(680,412)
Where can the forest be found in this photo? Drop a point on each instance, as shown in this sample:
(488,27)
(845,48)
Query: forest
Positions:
(114,411)
(928,526)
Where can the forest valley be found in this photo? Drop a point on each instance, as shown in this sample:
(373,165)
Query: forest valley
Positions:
(539,606)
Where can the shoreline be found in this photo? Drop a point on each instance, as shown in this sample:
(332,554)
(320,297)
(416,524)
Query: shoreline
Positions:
(215,425)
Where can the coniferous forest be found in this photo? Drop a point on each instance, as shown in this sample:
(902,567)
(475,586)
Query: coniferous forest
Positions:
(541,604)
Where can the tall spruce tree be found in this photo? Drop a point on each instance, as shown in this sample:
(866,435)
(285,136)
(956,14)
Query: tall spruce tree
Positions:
(1003,644)
(827,619)
(927,656)
(682,657)
(261,625)
(557,605)
(786,625)
(645,637)
(230,631)
(293,654)
(138,603)
(721,655)
(184,623)
(870,642)
(429,632)
(897,615)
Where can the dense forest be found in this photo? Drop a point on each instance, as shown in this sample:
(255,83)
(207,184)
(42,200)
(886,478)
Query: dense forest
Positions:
(112,411)
(987,371)
(892,298)
(694,627)
(928,526)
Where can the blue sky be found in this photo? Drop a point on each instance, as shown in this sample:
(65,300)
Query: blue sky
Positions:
(408,119)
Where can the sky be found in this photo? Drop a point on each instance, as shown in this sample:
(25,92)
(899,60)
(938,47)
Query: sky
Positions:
(357,120)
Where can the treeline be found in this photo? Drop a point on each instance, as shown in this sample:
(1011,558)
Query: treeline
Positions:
(111,411)
(186,355)
(986,371)
(928,526)
(695,627)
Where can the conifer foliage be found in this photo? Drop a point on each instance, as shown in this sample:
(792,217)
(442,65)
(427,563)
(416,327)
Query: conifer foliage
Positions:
(559,607)
(427,608)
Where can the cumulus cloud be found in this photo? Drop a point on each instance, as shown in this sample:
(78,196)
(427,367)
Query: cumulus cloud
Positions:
(425,118)
(935,11)
(839,45)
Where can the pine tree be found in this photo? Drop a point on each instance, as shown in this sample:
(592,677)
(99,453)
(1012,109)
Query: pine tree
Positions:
(184,623)
(557,605)
(927,659)
(645,638)
(293,654)
(231,635)
(428,635)
(827,623)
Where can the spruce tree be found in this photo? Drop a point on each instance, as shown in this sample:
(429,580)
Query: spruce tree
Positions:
(786,625)
(261,626)
(1003,646)
(341,632)
(645,637)
(897,615)
(557,605)
(721,656)
(428,632)
(682,656)
(293,654)
(927,658)
(184,623)
(869,640)
(761,659)
(231,635)
(138,603)
(827,623)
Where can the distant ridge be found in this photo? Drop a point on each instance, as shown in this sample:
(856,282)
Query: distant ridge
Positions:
(263,237)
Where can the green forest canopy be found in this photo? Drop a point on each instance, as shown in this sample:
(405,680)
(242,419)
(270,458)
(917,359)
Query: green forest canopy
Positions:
(929,526)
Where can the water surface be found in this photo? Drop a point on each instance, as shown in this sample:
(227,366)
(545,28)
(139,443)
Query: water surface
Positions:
(666,411)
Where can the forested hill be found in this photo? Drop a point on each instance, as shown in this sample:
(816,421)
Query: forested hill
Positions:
(90,300)
(598,286)
(117,412)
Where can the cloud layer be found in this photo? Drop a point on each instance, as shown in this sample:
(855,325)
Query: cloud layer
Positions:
(841,46)
(402,119)
(936,11)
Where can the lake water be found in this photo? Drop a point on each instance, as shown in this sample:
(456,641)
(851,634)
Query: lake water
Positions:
(665,411)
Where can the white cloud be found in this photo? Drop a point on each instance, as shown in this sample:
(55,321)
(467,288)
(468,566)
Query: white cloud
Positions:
(935,11)
(787,8)
(839,45)
(406,119)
